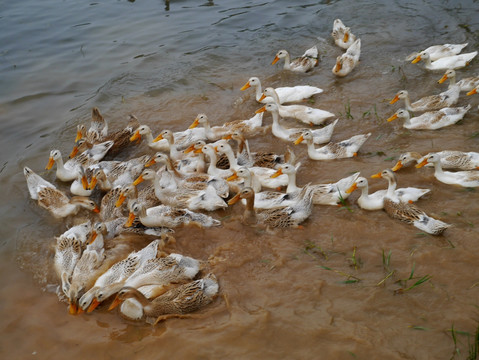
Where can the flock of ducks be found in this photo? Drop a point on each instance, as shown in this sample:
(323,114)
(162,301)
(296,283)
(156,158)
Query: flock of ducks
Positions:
(205,168)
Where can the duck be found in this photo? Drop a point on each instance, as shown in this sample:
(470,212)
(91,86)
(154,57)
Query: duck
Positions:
(306,114)
(80,186)
(465,178)
(278,217)
(96,151)
(113,279)
(344,149)
(54,200)
(342,35)
(80,231)
(118,173)
(323,194)
(450,159)
(320,136)
(69,170)
(68,250)
(285,94)
(432,102)
(465,84)
(130,193)
(249,178)
(450,62)
(167,216)
(175,302)
(175,154)
(182,138)
(193,200)
(212,170)
(439,51)
(348,61)
(409,213)
(250,127)
(98,128)
(304,63)
(431,120)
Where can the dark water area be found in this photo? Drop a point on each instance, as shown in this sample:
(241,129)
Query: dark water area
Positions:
(323,291)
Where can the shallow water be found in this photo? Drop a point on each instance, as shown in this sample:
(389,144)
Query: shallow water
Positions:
(284,295)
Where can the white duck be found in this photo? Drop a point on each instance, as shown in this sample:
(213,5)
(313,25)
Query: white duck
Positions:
(439,51)
(175,154)
(348,61)
(98,128)
(96,151)
(285,94)
(466,178)
(304,63)
(465,84)
(68,171)
(344,149)
(450,159)
(182,138)
(320,136)
(306,114)
(431,120)
(432,102)
(445,63)
(408,194)
(80,185)
(343,36)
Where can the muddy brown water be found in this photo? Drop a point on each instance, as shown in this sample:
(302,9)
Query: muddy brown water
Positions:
(323,291)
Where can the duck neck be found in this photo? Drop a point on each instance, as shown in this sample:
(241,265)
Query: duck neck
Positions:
(407,103)
(212,166)
(391,187)
(201,164)
(249,213)
(292,183)
(149,138)
(287,60)
(232,159)
(138,296)
(259,92)
(364,191)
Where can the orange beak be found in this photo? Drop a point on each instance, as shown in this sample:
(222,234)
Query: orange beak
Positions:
(441,80)
(195,124)
(299,140)
(216,148)
(131,218)
(136,136)
(234,199)
(94,304)
(84,182)
(93,236)
(151,162)
(263,109)
(198,151)
(232,177)
(339,66)
(277,173)
(74,152)
(396,98)
(114,304)
(346,37)
(50,163)
(72,308)
(80,310)
(473,91)
(377,176)
(158,138)
(96,209)
(246,86)
(421,164)
(138,180)
(394,117)
(352,188)
(276,59)
(120,200)
(79,136)
(93,182)
(416,60)
(227,137)
(189,149)
(397,166)
(261,99)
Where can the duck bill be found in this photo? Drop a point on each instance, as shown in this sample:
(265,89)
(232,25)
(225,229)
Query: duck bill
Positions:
(232,177)
(352,188)
(50,163)
(396,98)
(139,180)
(189,149)
(234,199)
(136,136)
(114,304)
(338,67)
(151,162)
(377,176)
(276,59)
(84,182)
(94,304)
(263,109)
(416,60)
(120,200)
(79,136)
(198,151)
(277,173)
(93,236)
(96,209)
(93,182)
(80,310)
(158,138)
(195,124)
(299,140)
(394,117)
(441,80)
(473,91)
(346,37)
(74,152)
(227,137)
(216,148)
(72,308)
(246,86)
(421,164)
(398,166)
(131,218)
